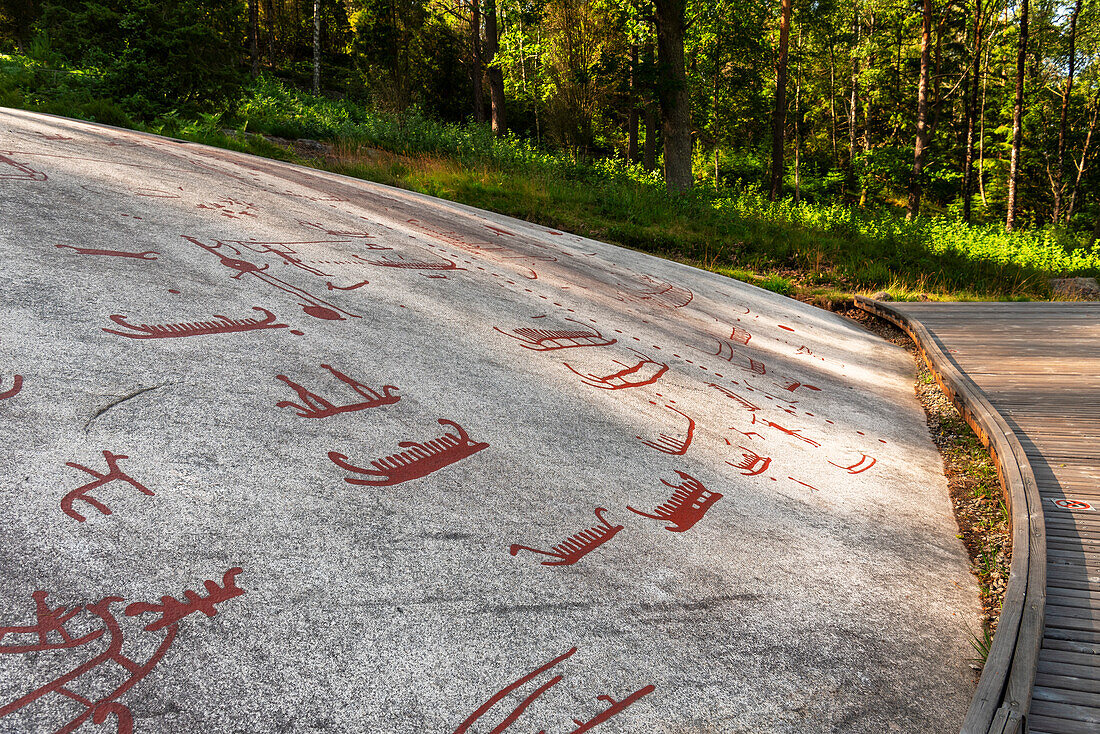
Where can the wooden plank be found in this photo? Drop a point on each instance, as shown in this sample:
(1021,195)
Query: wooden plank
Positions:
(1038,724)
(1067,695)
(1083,714)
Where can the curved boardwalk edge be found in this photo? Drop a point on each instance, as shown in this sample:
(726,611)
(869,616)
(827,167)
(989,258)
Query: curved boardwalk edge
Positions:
(1003,698)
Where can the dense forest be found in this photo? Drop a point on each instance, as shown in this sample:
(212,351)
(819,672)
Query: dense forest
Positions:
(983,111)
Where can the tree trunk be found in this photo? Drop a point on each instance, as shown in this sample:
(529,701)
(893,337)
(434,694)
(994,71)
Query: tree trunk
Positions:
(798,120)
(1017,119)
(779,118)
(1059,168)
(632,116)
(254,35)
(850,178)
(478,70)
(494,72)
(972,111)
(649,148)
(672,94)
(1084,157)
(920,148)
(316,46)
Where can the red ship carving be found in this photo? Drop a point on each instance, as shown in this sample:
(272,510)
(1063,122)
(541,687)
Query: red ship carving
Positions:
(420,460)
(578,545)
(415,264)
(113,474)
(741,336)
(736,398)
(315,406)
(223,325)
(865,462)
(17,385)
(662,293)
(48,633)
(646,372)
(689,503)
(548,340)
(147,255)
(751,464)
(670,444)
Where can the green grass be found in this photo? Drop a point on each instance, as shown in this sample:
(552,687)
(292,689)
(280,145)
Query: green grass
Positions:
(806,249)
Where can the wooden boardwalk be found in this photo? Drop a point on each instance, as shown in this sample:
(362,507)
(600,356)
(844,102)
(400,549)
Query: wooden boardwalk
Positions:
(1038,366)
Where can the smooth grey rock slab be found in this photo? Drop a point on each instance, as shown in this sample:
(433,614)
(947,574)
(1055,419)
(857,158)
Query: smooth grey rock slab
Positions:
(468,468)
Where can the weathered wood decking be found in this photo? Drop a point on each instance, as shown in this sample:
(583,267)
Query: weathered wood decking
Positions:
(1032,372)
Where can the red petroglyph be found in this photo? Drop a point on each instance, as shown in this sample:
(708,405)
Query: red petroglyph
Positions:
(499,231)
(311,305)
(670,444)
(736,398)
(224,325)
(342,233)
(781,326)
(358,285)
(810,486)
(795,433)
(751,464)
(548,340)
(315,406)
(49,634)
(22,172)
(578,545)
(230,208)
(741,336)
(865,462)
(518,683)
(147,255)
(420,460)
(646,372)
(156,193)
(689,502)
(415,264)
(172,610)
(17,385)
(113,474)
(659,292)
(792,385)
(616,707)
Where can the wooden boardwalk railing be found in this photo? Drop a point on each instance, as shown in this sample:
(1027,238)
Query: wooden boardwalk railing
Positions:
(1026,377)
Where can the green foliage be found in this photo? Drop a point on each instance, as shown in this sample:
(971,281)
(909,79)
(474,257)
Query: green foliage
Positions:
(152,55)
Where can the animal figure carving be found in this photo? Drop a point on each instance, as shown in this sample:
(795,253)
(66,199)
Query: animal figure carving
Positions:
(419,460)
(315,406)
(578,545)
(688,504)
(113,474)
(223,325)
(88,683)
